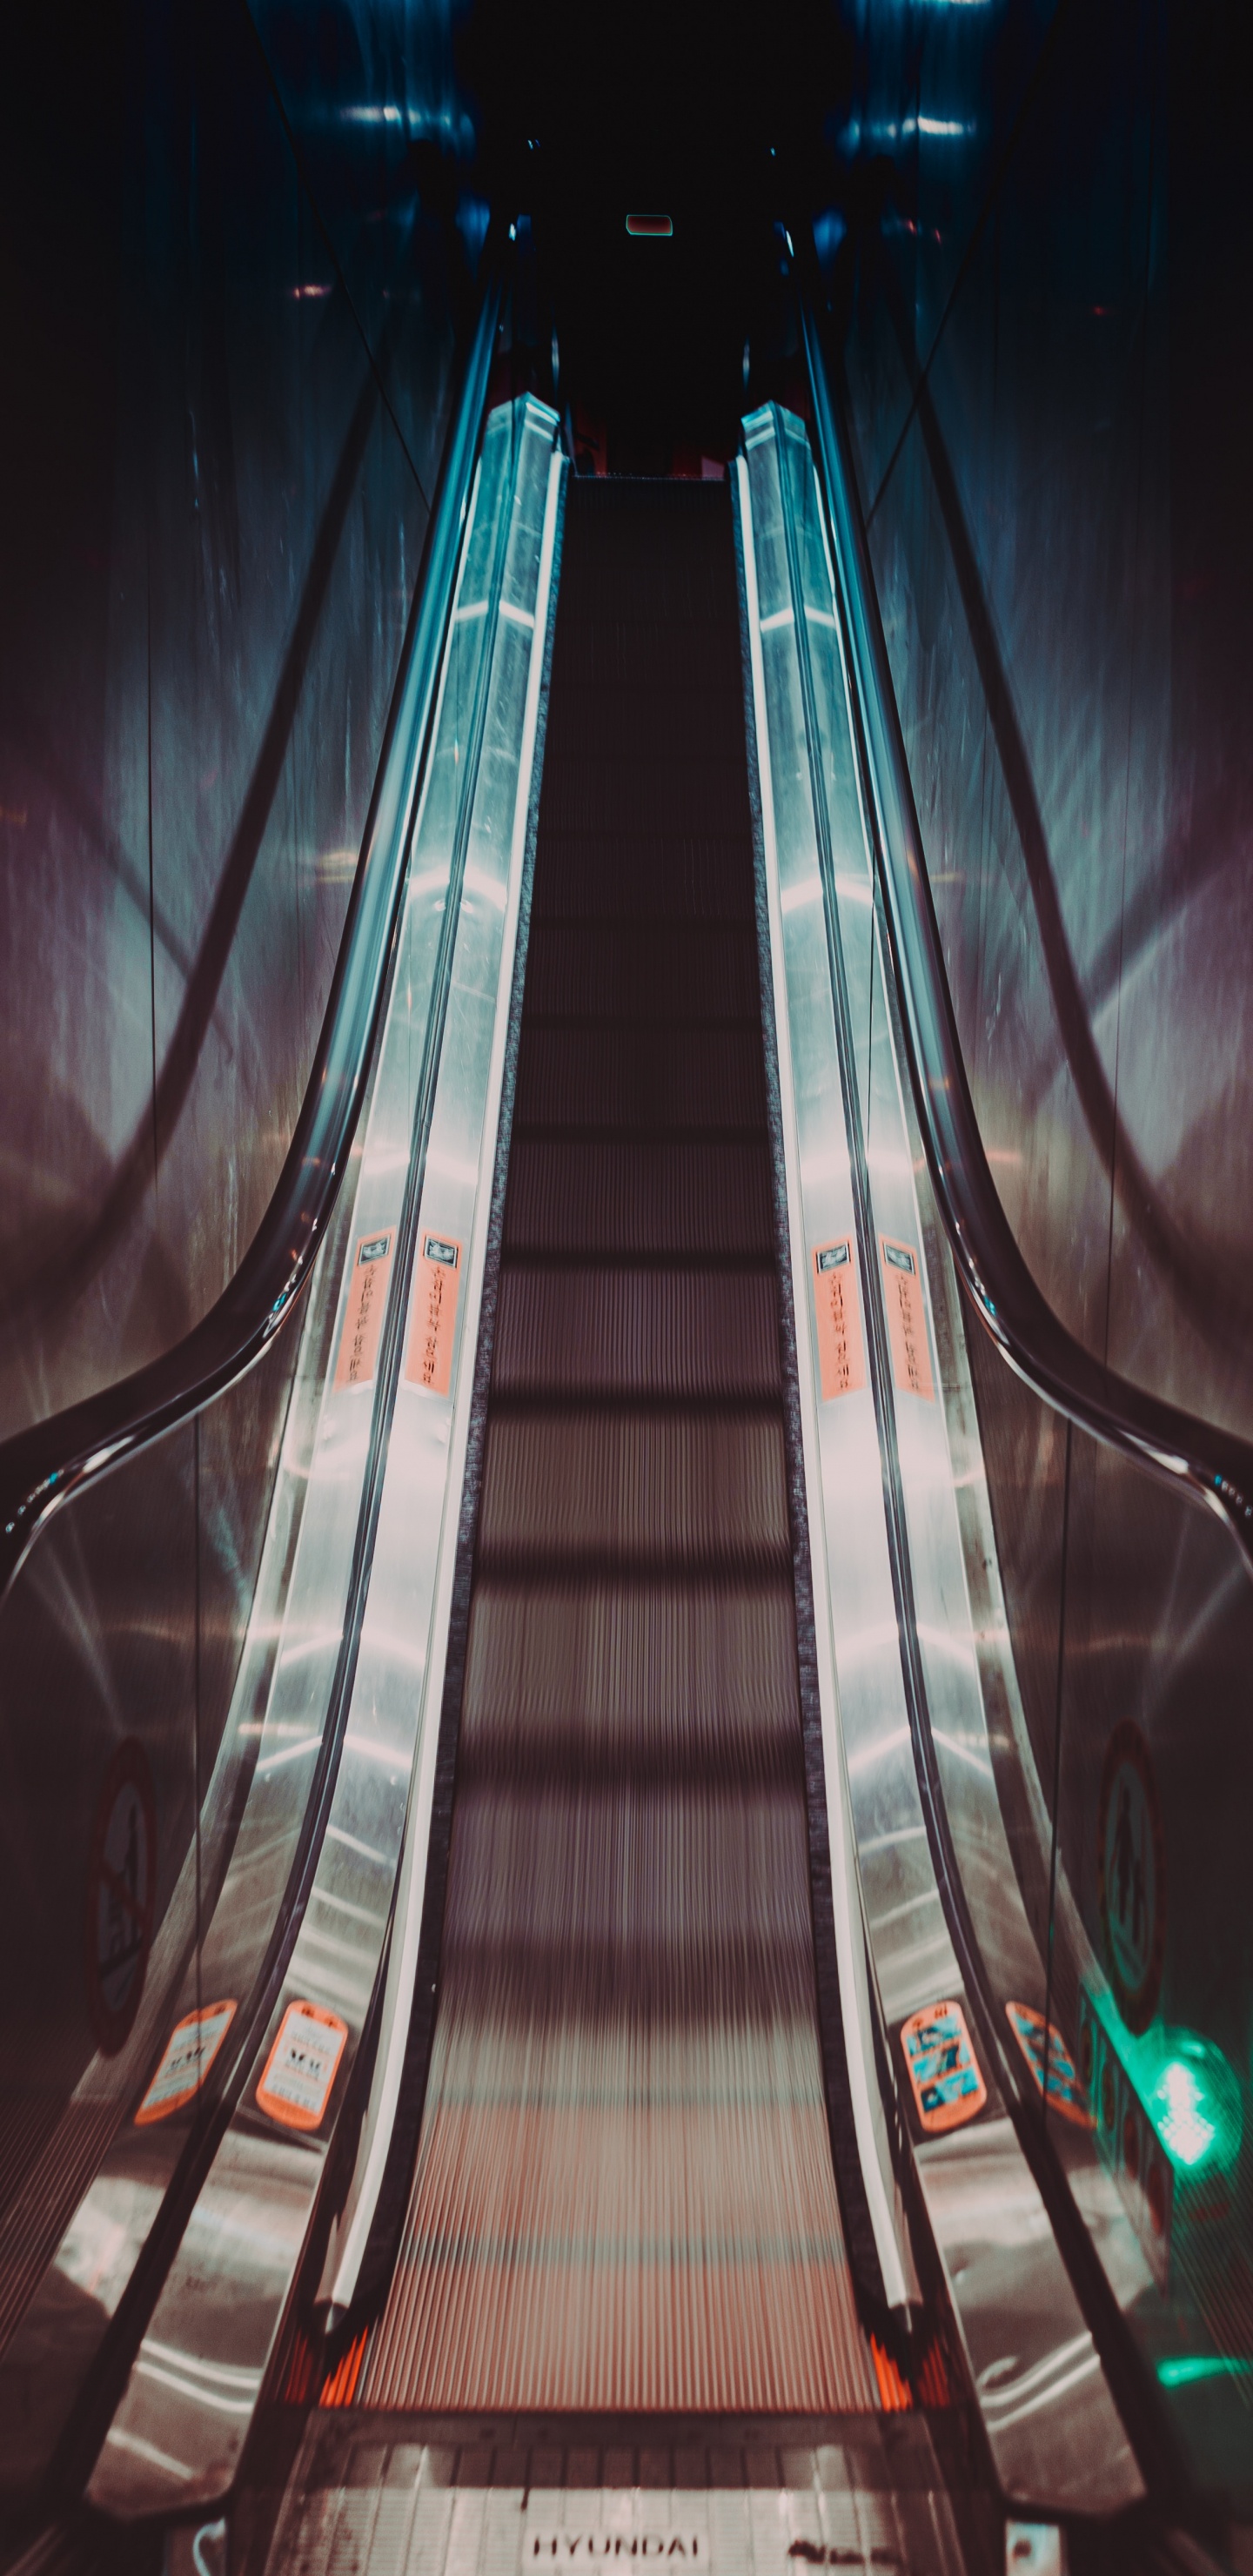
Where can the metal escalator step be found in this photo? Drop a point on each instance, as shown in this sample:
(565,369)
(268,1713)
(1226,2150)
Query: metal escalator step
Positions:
(620,971)
(660,1333)
(650,1869)
(633,795)
(638,1486)
(709,1668)
(632,1076)
(615,589)
(615,2257)
(590,726)
(612,653)
(622,876)
(638,1201)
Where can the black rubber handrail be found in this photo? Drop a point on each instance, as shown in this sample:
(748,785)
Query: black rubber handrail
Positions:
(1215,1466)
(42,1468)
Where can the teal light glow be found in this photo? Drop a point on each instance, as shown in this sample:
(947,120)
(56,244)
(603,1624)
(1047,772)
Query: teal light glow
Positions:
(1186,2090)
(1193,2101)
(1185,2369)
(1179,2107)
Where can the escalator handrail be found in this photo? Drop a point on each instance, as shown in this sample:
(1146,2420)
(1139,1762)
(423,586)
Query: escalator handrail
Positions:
(1216,1466)
(41,1468)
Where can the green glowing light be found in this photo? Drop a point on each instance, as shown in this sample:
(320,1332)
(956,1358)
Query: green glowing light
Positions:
(1179,2107)
(1193,2102)
(1185,2088)
(1184,2370)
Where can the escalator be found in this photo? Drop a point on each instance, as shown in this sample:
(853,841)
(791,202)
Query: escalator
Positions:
(616,2059)
(624,2199)
(622,2248)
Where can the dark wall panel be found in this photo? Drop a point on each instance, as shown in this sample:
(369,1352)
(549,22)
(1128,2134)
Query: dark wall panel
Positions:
(1051,389)
(225,405)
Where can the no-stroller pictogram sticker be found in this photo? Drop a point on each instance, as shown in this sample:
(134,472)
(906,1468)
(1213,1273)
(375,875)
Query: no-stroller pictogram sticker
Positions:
(943,2069)
(302,2065)
(120,1895)
(1131,1872)
(185,2061)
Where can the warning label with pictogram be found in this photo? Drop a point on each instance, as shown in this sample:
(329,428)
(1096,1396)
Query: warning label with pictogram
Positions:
(943,2070)
(841,1358)
(186,2059)
(367,1300)
(301,2066)
(1131,1875)
(907,1319)
(121,1895)
(1039,2039)
(429,1363)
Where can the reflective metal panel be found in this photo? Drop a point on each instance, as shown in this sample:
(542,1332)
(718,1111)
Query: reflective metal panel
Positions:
(1060,530)
(214,502)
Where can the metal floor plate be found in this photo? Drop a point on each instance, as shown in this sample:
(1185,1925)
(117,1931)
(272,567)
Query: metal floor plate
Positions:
(412,2497)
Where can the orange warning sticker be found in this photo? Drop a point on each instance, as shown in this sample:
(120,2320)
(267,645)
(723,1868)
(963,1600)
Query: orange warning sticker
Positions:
(1044,2048)
(841,1358)
(301,2066)
(943,2070)
(188,2054)
(907,1319)
(367,1298)
(434,1314)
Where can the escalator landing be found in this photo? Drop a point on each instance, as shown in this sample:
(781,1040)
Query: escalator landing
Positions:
(388,2495)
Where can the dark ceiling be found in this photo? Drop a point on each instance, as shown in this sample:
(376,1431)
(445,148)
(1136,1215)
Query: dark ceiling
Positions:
(720,122)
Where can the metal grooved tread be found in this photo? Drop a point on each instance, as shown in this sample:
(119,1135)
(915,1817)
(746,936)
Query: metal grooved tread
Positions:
(623,2198)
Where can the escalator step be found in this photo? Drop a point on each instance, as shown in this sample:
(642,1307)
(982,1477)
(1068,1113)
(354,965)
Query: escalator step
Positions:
(663,1078)
(620,971)
(562,1491)
(691,1334)
(623,876)
(694,1671)
(637,1200)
